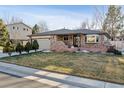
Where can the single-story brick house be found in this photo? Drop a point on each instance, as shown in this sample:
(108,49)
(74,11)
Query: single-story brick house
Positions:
(83,39)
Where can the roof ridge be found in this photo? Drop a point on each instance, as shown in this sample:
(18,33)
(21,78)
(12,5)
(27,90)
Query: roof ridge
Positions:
(19,23)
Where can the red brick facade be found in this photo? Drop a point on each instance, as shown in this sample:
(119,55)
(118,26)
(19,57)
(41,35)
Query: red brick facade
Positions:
(59,45)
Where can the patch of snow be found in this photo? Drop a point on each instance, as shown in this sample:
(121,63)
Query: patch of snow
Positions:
(85,51)
(122,51)
(46,51)
(72,46)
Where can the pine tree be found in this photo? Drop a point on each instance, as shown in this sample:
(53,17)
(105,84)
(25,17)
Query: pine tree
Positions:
(8,48)
(28,47)
(19,48)
(4,33)
(113,21)
(35,29)
(35,45)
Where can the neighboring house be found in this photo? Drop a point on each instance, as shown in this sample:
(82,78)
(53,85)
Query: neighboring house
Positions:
(85,39)
(19,31)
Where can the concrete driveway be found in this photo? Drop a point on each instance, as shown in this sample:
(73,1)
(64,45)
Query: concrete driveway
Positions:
(10,81)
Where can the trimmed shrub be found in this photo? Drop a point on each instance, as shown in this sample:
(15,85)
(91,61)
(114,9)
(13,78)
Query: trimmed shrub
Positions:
(8,48)
(28,47)
(19,48)
(35,45)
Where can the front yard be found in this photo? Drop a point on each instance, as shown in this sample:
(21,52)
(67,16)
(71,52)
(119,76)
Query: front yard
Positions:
(98,66)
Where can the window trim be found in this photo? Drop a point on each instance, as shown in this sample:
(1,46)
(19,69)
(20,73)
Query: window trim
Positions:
(95,38)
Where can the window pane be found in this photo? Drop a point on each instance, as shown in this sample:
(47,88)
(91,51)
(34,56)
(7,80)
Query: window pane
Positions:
(65,37)
(91,39)
(13,27)
(97,38)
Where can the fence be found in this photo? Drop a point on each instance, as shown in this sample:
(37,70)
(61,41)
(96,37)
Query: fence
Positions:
(118,44)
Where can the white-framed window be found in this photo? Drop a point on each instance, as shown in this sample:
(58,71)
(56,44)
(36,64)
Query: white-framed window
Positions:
(13,27)
(92,38)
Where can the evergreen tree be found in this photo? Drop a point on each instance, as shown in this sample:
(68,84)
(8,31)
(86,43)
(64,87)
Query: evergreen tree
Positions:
(113,21)
(35,45)
(8,48)
(19,48)
(35,29)
(4,33)
(28,47)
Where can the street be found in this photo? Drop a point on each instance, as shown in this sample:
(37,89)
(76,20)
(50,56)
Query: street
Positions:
(9,81)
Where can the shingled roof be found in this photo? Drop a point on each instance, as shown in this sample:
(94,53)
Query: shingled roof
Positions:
(68,31)
(19,23)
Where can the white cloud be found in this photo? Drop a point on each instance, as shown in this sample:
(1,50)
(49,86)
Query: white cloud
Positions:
(70,20)
(55,18)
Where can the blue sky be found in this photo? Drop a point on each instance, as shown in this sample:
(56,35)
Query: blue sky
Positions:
(56,16)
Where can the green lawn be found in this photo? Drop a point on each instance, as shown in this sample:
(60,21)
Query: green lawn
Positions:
(98,66)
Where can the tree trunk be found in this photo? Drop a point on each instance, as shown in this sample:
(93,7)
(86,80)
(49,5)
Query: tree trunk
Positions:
(9,53)
(20,52)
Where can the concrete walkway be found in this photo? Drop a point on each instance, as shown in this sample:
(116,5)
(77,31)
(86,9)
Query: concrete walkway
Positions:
(55,79)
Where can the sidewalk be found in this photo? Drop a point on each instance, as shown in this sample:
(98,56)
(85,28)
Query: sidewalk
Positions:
(55,79)
(15,53)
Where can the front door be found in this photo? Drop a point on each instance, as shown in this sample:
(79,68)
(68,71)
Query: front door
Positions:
(76,40)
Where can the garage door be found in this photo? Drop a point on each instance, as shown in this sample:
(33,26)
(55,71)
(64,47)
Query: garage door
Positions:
(44,43)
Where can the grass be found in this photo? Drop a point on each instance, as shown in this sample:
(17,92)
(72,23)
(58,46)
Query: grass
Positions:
(98,66)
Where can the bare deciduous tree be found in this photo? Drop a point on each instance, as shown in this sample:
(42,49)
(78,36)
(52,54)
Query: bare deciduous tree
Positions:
(88,25)
(42,26)
(83,25)
(97,19)
(100,15)
(11,19)
(15,20)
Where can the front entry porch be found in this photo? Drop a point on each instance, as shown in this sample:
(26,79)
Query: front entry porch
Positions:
(71,40)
